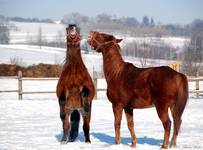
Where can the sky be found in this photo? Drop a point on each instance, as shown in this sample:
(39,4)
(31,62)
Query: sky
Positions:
(163,11)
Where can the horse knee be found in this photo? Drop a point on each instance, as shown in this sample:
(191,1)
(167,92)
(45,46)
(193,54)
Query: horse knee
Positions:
(167,125)
(62,99)
(117,125)
(86,102)
(62,116)
(85,92)
(165,121)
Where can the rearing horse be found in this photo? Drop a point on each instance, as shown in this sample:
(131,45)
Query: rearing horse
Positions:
(75,89)
(130,87)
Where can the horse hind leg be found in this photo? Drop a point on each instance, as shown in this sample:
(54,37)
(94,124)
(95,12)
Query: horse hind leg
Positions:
(177,123)
(86,126)
(178,109)
(129,117)
(74,125)
(164,117)
(86,112)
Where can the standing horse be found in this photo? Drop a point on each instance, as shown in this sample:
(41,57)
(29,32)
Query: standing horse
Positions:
(75,89)
(130,87)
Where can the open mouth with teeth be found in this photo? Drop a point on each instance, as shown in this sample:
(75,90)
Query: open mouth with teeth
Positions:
(73,35)
(89,41)
(73,32)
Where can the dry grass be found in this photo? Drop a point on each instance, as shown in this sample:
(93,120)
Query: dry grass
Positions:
(40,70)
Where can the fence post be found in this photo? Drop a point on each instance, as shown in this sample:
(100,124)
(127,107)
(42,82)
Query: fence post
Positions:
(197,87)
(95,82)
(20,86)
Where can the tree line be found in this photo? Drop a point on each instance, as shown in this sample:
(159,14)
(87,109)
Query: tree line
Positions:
(131,25)
(191,55)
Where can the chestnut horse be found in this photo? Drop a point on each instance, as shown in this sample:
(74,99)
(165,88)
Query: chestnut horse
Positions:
(75,89)
(130,87)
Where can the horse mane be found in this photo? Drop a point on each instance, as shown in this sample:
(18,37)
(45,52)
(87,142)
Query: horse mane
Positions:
(115,67)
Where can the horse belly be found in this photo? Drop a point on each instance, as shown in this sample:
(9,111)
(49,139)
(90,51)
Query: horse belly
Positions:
(142,103)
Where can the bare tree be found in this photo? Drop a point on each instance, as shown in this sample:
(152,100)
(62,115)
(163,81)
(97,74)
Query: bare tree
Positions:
(145,21)
(193,55)
(4,33)
(60,39)
(39,37)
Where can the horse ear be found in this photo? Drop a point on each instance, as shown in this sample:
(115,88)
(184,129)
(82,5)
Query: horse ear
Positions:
(118,40)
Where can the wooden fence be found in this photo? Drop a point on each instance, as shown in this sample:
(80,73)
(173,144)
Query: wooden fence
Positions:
(20,79)
(197,89)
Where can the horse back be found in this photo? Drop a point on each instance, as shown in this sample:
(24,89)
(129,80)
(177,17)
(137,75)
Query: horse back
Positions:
(142,87)
(166,84)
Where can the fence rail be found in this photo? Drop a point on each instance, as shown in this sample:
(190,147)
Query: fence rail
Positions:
(20,79)
(197,85)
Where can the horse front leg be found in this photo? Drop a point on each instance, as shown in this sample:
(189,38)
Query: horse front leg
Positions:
(129,117)
(64,118)
(86,126)
(86,101)
(117,110)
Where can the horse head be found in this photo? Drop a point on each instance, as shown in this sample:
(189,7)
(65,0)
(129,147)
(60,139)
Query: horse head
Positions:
(73,35)
(98,41)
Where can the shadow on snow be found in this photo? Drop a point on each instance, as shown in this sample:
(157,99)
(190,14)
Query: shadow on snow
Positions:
(111,139)
(126,140)
(80,137)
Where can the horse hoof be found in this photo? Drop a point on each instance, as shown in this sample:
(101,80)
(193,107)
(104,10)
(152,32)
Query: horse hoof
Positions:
(87,141)
(63,142)
(133,145)
(164,147)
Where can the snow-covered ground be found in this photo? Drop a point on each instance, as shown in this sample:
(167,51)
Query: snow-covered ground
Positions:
(174,42)
(29,55)
(34,123)
(29,31)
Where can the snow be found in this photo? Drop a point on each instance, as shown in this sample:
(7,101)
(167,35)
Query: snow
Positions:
(27,30)
(30,54)
(174,42)
(34,123)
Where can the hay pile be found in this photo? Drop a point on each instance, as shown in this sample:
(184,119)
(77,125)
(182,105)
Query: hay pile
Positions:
(40,70)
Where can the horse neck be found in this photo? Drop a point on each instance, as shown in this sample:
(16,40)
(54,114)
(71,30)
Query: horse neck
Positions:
(112,62)
(73,56)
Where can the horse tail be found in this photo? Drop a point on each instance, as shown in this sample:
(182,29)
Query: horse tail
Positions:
(182,95)
(178,108)
(74,125)
(182,98)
